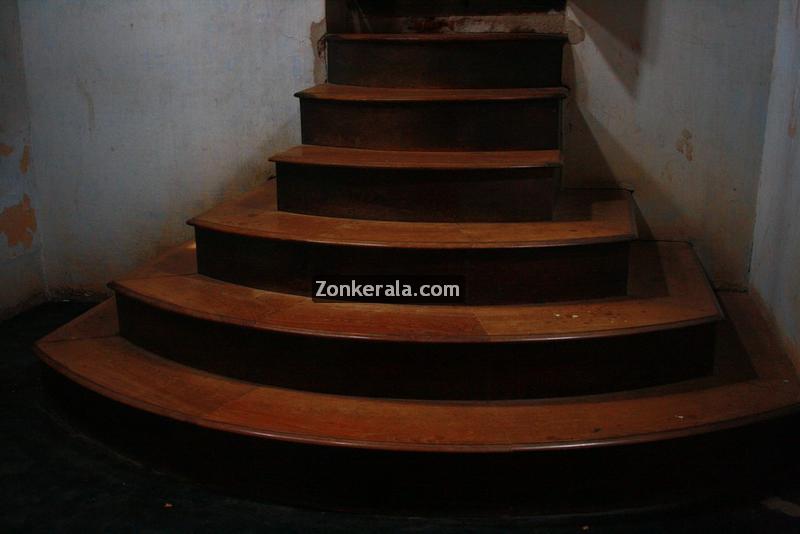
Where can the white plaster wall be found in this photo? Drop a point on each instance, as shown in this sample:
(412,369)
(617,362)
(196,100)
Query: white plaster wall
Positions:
(776,248)
(20,235)
(145,113)
(670,99)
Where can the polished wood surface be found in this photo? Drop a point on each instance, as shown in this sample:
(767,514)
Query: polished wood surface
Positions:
(390,118)
(498,195)
(421,370)
(388,159)
(662,332)
(402,121)
(582,253)
(395,95)
(674,295)
(114,367)
(583,216)
(518,275)
(445,60)
(418,186)
(434,154)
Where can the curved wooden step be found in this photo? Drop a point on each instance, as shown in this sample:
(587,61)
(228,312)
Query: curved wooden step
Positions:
(326,156)
(580,254)
(445,60)
(111,366)
(431,119)
(663,332)
(667,290)
(583,217)
(418,186)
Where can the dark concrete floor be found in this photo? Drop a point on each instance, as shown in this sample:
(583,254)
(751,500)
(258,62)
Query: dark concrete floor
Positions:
(56,479)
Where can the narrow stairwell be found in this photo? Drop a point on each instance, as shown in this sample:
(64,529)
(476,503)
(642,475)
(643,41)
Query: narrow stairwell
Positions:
(434,154)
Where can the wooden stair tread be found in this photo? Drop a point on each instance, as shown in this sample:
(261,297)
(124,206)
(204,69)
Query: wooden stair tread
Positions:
(407,159)
(681,297)
(447,37)
(583,216)
(113,367)
(354,93)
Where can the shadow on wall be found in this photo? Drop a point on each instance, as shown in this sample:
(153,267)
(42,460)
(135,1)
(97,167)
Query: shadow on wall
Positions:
(619,38)
(618,34)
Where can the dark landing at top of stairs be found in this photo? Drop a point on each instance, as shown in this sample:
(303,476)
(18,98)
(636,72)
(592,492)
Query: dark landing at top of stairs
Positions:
(425,16)
(446,37)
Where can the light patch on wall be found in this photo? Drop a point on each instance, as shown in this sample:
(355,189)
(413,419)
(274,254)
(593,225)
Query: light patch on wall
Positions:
(25,160)
(317,34)
(684,145)
(18,223)
(575,33)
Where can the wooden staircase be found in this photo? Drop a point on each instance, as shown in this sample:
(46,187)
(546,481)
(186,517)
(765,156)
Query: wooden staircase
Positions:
(433,154)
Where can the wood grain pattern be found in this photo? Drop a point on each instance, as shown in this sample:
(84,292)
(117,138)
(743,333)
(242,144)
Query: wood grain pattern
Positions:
(583,216)
(431,119)
(452,60)
(388,159)
(413,370)
(397,95)
(117,369)
(456,124)
(508,195)
(418,186)
(583,253)
(676,294)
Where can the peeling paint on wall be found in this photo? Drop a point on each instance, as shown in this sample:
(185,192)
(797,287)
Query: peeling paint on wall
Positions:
(191,99)
(25,160)
(18,223)
(21,279)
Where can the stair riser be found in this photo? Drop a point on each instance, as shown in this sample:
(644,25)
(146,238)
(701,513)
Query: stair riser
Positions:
(421,370)
(492,195)
(442,64)
(491,276)
(457,126)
